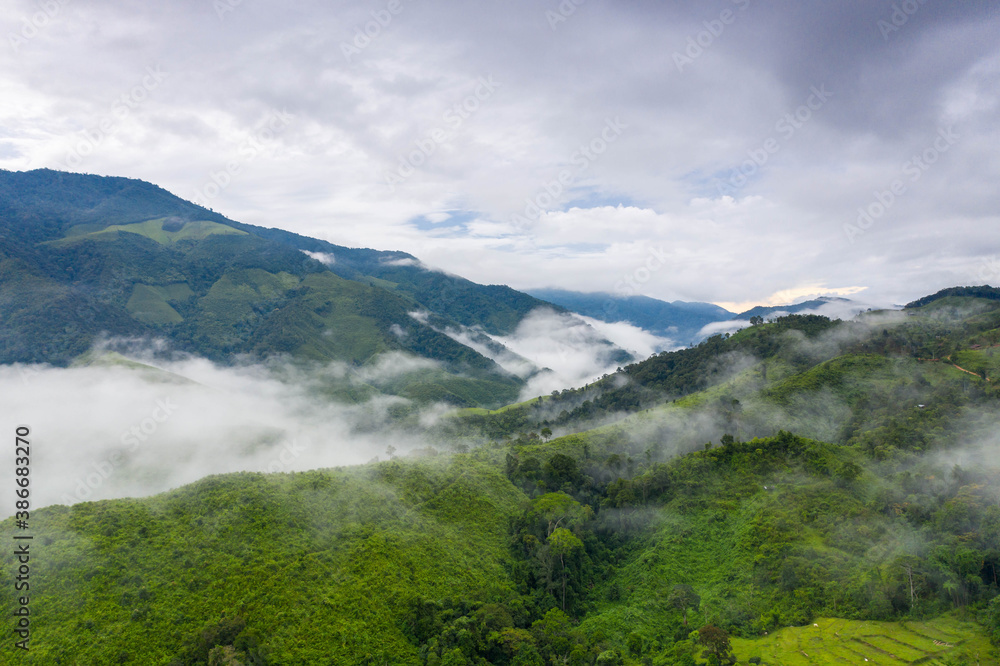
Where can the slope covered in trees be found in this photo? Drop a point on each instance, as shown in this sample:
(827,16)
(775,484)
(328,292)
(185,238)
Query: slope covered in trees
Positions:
(87,258)
(983,291)
(683,532)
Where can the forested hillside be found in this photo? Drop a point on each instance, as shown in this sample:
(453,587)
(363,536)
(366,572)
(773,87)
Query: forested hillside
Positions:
(86,259)
(797,471)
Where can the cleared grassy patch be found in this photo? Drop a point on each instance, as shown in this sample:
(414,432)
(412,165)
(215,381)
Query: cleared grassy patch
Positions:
(165,231)
(150,304)
(980,361)
(837,641)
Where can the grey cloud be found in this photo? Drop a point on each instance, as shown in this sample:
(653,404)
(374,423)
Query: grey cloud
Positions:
(353,119)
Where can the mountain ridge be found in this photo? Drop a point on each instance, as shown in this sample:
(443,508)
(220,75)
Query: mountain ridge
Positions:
(680,321)
(87,256)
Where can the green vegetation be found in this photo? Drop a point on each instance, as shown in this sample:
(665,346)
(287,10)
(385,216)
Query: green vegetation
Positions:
(165,231)
(321,566)
(599,547)
(643,385)
(804,491)
(945,640)
(445,560)
(151,305)
(984,291)
(87,258)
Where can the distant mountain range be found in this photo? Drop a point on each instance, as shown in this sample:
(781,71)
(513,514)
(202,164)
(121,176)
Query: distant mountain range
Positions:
(86,257)
(778,310)
(682,322)
(679,321)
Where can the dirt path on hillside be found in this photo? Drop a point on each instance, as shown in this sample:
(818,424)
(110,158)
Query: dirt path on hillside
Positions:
(974,374)
(955,365)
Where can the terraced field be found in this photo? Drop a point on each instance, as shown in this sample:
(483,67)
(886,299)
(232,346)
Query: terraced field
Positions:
(946,640)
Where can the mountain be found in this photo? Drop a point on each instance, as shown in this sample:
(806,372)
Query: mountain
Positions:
(678,321)
(983,291)
(803,487)
(85,258)
(770,311)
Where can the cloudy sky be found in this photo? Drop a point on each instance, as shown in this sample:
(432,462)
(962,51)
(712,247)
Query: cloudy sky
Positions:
(732,151)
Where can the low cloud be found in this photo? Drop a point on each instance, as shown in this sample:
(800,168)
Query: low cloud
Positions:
(571,350)
(406,261)
(844,309)
(393,365)
(553,350)
(326,258)
(637,341)
(490,348)
(119,430)
(717,327)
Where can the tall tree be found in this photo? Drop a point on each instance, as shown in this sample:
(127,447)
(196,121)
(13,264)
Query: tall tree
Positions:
(563,543)
(717,646)
(683,597)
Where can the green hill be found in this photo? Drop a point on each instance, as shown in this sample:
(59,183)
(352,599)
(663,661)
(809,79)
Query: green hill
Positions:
(45,205)
(625,543)
(85,258)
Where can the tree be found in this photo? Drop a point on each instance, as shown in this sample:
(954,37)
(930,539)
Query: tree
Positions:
(560,469)
(223,656)
(563,543)
(518,645)
(634,642)
(609,658)
(556,510)
(993,620)
(909,566)
(683,597)
(849,472)
(554,634)
(454,658)
(717,647)
(756,320)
